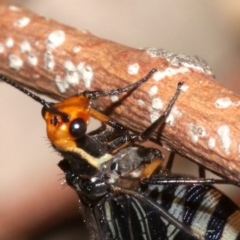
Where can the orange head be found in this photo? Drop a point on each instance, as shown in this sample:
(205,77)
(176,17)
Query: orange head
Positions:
(67,120)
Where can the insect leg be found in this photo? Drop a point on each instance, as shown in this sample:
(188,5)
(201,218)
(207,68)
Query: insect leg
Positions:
(170,161)
(126,138)
(97,94)
(162,119)
(116,138)
(181,179)
(201,172)
(201,169)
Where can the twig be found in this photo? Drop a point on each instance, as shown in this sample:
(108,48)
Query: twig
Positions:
(59,61)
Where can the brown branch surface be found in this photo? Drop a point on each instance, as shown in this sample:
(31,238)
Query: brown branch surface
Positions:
(59,61)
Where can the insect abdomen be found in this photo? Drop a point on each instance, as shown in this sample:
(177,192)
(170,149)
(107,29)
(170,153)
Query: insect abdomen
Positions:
(205,209)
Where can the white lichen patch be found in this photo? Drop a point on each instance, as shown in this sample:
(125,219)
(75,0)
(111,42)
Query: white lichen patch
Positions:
(76,49)
(2,49)
(184,87)
(85,73)
(55,39)
(13,8)
(25,46)
(133,69)
(61,84)
(157,104)
(169,72)
(49,62)
(72,76)
(192,62)
(22,22)
(114,98)
(223,132)
(32,59)
(174,113)
(198,65)
(154,115)
(140,102)
(157,108)
(9,42)
(15,62)
(211,142)
(196,132)
(69,66)
(153,91)
(225,103)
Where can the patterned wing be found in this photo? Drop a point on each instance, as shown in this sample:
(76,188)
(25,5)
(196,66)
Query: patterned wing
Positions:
(165,212)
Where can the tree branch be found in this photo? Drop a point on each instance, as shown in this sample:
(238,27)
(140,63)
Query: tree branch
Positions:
(59,61)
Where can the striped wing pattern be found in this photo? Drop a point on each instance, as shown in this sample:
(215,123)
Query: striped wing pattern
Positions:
(208,213)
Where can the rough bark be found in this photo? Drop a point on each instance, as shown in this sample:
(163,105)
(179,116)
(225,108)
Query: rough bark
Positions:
(59,60)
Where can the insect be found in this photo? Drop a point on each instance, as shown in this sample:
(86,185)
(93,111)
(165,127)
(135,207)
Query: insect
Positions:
(125,192)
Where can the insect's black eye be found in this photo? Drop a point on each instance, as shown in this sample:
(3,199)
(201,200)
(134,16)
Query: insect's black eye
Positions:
(78,128)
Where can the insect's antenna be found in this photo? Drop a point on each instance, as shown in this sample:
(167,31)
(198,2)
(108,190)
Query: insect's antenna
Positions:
(24,90)
(160,121)
(96,94)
